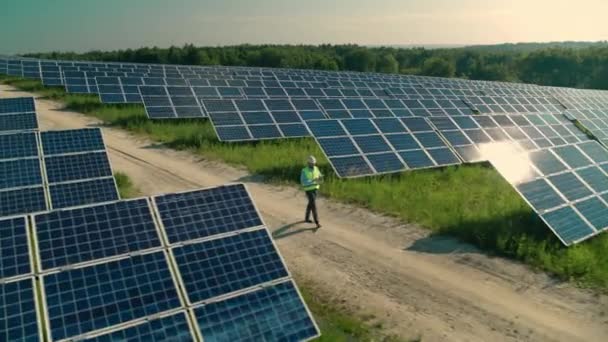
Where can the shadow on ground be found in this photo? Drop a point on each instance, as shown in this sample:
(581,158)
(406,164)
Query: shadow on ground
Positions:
(286,230)
(441,244)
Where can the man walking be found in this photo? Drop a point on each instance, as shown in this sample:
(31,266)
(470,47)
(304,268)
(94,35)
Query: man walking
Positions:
(310,179)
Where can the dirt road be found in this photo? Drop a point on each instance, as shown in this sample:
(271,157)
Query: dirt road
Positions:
(434,288)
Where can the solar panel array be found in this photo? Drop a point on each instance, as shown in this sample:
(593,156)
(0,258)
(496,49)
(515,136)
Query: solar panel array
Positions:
(457,121)
(199,265)
(40,171)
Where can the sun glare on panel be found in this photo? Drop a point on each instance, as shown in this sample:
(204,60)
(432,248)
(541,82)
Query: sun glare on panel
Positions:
(509,160)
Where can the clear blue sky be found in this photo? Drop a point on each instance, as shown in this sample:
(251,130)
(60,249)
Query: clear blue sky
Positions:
(45,25)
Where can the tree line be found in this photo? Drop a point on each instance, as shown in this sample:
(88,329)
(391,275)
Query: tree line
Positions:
(565,65)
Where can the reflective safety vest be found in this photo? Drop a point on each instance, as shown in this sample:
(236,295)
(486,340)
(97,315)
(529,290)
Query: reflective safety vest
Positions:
(307,178)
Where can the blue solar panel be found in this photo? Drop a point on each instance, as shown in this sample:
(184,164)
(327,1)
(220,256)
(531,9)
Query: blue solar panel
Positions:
(416,159)
(18,122)
(294,130)
(595,151)
(71,141)
(351,166)
(386,162)
(17,105)
(22,201)
(85,299)
(18,320)
(546,162)
(232,133)
(340,146)
(15,258)
(225,119)
(372,144)
(276,312)
(568,225)
(68,237)
(595,211)
(259,132)
(359,127)
(65,195)
(595,178)
(570,186)
(540,194)
(78,166)
(20,173)
(443,156)
(18,145)
(326,128)
(573,157)
(221,266)
(172,328)
(203,213)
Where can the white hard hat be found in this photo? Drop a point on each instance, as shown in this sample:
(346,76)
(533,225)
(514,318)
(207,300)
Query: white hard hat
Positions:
(312,160)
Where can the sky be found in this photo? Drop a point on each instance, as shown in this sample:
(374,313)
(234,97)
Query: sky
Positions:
(82,25)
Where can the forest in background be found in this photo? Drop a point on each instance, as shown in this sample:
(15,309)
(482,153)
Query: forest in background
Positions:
(567,64)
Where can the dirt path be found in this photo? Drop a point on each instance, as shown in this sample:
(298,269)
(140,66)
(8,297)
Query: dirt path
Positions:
(434,288)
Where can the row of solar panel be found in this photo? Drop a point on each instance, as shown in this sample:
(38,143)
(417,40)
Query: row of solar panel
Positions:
(53,169)
(444,83)
(194,70)
(286,74)
(501,88)
(91,258)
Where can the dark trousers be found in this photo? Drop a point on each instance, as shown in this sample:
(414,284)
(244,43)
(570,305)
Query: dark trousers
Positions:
(312,205)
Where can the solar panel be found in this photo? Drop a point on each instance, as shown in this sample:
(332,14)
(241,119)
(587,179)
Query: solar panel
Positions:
(74,236)
(15,258)
(18,319)
(360,147)
(17,105)
(277,313)
(203,213)
(18,122)
(19,173)
(66,168)
(72,141)
(19,145)
(22,201)
(173,327)
(225,265)
(73,194)
(565,186)
(84,299)
(240,120)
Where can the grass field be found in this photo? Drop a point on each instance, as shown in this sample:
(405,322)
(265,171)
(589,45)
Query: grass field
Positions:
(471,202)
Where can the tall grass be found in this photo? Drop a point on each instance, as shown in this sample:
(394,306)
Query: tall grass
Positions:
(471,202)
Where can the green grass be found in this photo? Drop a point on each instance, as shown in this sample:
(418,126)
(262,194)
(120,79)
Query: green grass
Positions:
(471,202)
(126,188)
